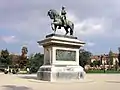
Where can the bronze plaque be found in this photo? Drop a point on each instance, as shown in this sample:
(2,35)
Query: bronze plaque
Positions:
(65,55)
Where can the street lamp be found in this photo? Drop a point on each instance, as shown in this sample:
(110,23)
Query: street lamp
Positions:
(119,56)
(103,63)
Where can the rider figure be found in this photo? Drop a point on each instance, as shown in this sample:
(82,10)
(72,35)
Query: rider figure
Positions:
(63,14)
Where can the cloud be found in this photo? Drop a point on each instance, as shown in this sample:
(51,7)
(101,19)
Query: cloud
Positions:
(88,27)
(9,39)
(90,44)
(95,20)
(32,46)
(30,18)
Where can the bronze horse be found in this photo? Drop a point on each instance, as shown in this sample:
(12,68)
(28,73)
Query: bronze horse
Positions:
(57,22)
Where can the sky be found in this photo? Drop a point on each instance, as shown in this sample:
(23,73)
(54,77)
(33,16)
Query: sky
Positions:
(24,22)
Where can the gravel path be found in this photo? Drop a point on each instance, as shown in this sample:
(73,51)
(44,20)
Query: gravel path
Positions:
(29,82)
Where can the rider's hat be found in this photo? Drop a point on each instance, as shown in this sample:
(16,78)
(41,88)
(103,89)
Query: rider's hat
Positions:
(63,7)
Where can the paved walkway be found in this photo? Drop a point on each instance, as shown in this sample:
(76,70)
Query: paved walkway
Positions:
(29,82)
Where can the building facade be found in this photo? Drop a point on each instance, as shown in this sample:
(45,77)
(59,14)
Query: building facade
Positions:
(105,59)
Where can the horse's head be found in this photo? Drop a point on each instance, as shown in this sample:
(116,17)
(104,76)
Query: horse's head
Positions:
(51,14)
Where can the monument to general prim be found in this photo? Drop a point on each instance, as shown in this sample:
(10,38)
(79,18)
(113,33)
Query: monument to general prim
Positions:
(61,52)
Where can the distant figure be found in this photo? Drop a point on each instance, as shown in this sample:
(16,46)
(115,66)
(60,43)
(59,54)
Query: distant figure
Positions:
(28,70)
(11,70)
(6,71)
(17,71)
(81,75)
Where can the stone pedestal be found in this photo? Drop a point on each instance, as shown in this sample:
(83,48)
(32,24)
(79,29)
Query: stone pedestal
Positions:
(61,58)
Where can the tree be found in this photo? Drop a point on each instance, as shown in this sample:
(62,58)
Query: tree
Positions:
(23,58)
(96,63)
(110,58)
(35,61)
(101,58)
(15,59)
(116,65)
(84,57)
(5,59)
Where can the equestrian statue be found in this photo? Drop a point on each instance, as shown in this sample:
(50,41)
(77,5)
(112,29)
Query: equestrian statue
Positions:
(60,21)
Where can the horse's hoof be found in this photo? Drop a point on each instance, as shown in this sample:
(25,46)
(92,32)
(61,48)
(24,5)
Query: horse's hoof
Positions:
(54,32)
(66,34)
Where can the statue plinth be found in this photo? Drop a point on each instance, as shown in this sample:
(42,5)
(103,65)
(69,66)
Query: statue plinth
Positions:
(58,35)
(61,58)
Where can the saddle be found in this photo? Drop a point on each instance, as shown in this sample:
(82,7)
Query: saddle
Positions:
(63,22)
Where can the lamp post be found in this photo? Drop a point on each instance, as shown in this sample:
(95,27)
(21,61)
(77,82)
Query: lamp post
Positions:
(103,63)
(119,56)
(104,66)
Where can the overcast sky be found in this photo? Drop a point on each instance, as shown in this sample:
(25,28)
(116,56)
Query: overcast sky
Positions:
(24,22)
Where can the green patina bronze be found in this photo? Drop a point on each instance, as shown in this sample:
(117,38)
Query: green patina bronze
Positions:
(60,21)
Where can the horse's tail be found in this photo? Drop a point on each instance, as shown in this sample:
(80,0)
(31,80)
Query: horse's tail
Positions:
(72,26)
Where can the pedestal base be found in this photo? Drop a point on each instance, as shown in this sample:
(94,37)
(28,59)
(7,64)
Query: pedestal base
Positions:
(61,58)
(56,73)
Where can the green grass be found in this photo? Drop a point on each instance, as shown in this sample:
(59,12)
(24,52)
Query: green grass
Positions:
(102,71)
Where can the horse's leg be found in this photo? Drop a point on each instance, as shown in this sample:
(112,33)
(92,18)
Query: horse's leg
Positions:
(71,29)
(55,27)
(66,29)
(52,26)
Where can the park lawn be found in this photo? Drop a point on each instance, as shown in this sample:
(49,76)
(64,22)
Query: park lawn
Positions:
(102,71)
